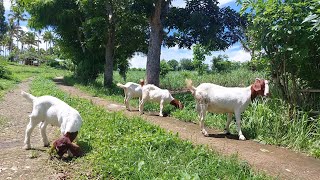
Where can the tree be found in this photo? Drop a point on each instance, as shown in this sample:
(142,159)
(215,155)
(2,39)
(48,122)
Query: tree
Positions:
(174,64)
(92,33)
(314,16)
(48,38)
(289,46)
(198,58)
(201,22)
(186,64)
(17,14)
(3,24)
(164,68)
(220,63)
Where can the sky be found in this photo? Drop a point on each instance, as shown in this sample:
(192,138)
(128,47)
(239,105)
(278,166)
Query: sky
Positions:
(235,52)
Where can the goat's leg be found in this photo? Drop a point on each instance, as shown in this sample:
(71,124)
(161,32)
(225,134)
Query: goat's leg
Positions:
(238,121)
(43,128)
(161,108)
(227,128)
(32,124)
(141,106)
(139,103)
(203,111)
(128,97)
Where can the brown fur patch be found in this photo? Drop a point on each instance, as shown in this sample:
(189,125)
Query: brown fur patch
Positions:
(257,88)
(177,103)
(64,143)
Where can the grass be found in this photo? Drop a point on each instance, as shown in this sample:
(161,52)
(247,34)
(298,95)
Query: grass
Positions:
(268,121)
(118,147)
(23,72)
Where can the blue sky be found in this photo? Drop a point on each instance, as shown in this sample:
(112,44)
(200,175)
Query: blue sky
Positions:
(235,52)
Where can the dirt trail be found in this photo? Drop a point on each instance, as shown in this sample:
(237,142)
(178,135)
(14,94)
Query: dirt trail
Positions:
(275,161)
(15,162)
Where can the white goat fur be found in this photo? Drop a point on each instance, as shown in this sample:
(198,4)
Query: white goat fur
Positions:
(153,93)
(131,90)
(219,99)
(50,110)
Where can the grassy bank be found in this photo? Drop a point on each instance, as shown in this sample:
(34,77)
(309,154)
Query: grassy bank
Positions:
(18,73)
(266,120)
(118,147)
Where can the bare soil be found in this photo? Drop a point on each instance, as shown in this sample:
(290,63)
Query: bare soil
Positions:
(17,163)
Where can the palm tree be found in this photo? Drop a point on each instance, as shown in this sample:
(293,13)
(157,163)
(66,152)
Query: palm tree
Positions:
(30,39)
(13,30)
(48,38)
(17,14)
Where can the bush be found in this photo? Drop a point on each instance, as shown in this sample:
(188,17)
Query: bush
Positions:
(4,72)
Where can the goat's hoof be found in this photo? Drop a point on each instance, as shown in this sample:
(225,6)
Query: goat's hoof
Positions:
(27,147)
(226,132)
(46,145)
(205,133)
(161,115)
(242,138)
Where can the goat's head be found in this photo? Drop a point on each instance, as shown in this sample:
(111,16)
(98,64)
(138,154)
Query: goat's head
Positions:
(141,82)
(259,88)
(64,143)
(177,103)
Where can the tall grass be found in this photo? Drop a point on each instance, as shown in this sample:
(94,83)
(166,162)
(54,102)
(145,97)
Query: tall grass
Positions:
(266,120)
(118,147)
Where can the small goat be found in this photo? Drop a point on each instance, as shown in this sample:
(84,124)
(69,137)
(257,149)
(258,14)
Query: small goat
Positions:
(50,110)
(219,99)
(151,92)
(131,90)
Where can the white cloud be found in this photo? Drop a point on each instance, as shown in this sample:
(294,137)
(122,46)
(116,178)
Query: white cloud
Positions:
(182,3)
(223,2)
(7,4)
(235,53)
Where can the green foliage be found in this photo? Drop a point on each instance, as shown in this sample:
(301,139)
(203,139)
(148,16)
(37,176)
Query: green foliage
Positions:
(221,63)
(4,72)
(203,22)
(199,53)
(174,64)
(3,24)
(314,16)
(186,64)
(277,31)
(130,148)
(164,68)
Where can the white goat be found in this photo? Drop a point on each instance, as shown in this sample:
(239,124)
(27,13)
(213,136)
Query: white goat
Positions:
(219,99)
(151,92)
(50,110)
(131,90)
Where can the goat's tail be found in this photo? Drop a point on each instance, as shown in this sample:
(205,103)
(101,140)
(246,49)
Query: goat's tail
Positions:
(121,85)
(189,86)
(141,82)
(28,96)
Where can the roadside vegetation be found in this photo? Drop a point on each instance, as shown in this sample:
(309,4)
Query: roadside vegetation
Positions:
(12,74)
(267,120)
(118,147)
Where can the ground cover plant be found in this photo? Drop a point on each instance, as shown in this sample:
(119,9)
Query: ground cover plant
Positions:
(15,73)
(118,147)
(269,121)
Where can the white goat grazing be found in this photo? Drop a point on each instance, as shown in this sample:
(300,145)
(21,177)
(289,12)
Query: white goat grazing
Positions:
(131,90)
(153,93)
(219,99)
(51,110)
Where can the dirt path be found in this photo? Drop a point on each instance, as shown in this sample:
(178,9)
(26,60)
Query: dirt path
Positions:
(15,162)
(275,161)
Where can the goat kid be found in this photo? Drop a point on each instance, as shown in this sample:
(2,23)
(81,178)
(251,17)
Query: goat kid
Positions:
(50,110)
(131,90)
(219,99)
(151,92)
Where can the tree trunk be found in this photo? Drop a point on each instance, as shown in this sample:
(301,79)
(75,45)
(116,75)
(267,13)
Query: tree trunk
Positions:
(108,67)
(154,49)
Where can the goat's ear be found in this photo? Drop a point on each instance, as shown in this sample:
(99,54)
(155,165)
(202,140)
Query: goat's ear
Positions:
(75,150)
(257,85)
